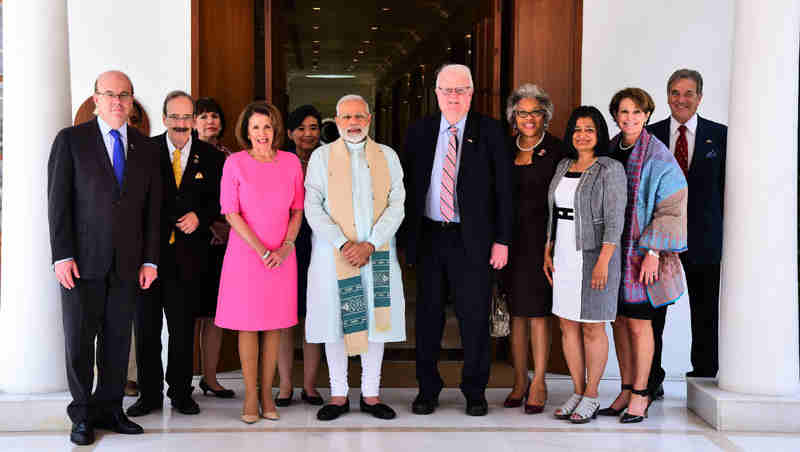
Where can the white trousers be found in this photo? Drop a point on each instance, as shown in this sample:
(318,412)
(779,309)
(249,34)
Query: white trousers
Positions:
(370,368)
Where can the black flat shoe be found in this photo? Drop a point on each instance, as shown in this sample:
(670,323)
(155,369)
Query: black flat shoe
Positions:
(311,400)
(379,410)
(424,405)
(633,418)
(82,433)
(186,405)
(118,422)
(144,407)
(477,407)
(284,401)
(610,411)
(330,412)
(222,393)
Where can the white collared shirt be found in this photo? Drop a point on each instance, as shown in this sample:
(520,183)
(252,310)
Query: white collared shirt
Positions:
(185,151)
(691,134)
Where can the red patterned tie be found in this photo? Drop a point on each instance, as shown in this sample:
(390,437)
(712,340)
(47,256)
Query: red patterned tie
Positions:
(446,207)
(682,151)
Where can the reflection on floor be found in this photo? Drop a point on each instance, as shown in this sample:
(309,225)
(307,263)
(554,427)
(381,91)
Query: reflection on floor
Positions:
(38,423)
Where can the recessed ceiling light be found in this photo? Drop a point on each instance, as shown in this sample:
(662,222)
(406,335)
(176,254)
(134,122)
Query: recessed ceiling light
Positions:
(315,42)
(367,42)
(316,8)
(355,60)
(316,52)
(360,52)
(467,35)
(315,27)
(374,28)
(386,9)
(330,76)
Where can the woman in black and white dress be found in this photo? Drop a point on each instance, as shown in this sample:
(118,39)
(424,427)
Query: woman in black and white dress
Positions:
(587,199)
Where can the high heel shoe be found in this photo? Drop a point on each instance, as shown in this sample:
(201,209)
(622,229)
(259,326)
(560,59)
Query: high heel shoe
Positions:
(221,393)
(628,418)
(611,411)
(271,415)
(516,403)
(284,401)
(535,408)
(249,418)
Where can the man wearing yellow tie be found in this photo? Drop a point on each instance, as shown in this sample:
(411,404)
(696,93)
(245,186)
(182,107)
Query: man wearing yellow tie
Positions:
(191,170)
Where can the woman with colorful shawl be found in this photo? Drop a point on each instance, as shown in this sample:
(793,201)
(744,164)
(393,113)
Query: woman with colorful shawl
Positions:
(654,234)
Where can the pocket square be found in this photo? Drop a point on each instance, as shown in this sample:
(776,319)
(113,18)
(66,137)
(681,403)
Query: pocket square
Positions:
(199,175)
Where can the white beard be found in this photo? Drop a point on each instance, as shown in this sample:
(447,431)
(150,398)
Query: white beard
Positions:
(354,139)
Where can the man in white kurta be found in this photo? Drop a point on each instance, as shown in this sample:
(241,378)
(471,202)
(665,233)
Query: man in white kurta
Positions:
(324,314)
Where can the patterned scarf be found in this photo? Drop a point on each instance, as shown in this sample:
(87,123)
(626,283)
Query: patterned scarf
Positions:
(655,219)
(351,289)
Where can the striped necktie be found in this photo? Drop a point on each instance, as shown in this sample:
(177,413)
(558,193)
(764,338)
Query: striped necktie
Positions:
(448,188)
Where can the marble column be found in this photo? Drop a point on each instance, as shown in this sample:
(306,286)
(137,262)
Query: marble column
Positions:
(759,372)
(36,106)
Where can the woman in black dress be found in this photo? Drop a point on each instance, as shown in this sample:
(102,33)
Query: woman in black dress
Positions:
(209,127)
(536,154)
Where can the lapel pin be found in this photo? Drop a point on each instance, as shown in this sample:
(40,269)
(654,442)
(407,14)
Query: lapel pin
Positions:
(199,175)
(708,141)
(131,147)
(469,139)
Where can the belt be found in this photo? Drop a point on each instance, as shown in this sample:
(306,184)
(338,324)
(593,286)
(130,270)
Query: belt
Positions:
(565,213)
(441,225)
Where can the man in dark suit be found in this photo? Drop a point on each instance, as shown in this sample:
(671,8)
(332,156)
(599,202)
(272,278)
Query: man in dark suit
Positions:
(191,170)
(699,146)
(104,201)
(457,226)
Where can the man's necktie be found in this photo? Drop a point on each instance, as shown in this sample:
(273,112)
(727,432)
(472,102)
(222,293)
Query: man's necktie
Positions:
(176,170)
(682,151)
(118,157)
(447,204)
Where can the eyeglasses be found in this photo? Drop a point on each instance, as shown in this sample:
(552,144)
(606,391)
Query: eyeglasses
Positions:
(524,114)
(180,117)
(122,97)
(360,117)
(460,91)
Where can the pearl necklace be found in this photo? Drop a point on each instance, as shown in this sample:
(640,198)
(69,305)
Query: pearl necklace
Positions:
(519,146)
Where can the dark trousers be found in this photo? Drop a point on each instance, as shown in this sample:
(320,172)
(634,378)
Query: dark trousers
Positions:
(657,373)
(703,283)
(176,299)
(102,309)
(444,268)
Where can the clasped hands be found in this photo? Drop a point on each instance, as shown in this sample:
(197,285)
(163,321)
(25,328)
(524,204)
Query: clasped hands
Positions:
(357,253)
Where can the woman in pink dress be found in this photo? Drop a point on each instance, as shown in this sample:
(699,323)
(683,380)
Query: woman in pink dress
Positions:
(262,199)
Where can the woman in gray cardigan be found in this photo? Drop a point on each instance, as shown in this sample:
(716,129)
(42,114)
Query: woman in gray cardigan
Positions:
(586,201)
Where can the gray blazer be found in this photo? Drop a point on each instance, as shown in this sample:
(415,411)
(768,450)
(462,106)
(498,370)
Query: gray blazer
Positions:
(600,201)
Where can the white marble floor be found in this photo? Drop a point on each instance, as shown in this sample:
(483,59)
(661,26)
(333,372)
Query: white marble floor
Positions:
(39,423)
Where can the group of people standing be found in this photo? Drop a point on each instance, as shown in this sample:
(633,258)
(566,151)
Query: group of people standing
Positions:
(254,241)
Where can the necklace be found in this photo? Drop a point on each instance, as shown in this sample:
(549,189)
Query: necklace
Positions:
(623,147)
(519,146)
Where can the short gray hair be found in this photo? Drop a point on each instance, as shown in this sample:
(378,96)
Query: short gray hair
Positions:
(174,95)
(686,73)
(529,91)
(349,97)
(457,68)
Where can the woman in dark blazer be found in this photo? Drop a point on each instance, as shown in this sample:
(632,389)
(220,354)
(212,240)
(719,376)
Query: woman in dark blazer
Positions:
(536,153)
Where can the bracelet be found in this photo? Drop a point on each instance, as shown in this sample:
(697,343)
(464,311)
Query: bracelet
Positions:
(653,253)
(288,242)
(265,255)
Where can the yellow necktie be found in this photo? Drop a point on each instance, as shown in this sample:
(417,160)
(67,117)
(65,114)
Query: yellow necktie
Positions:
(176,170)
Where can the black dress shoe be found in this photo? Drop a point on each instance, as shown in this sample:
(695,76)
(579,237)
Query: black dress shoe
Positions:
(330,412)
(118,422)
(701,374)
(284,401)
(477,407)
(311,400)
(186,405)
(424,405)
(379,410)
(658,394)
(82,434)
(143,407)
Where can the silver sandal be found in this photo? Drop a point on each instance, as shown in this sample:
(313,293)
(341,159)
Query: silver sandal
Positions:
(585,411)
(565,410)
